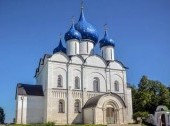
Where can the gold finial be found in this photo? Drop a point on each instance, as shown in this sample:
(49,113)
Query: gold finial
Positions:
(82,2)
(105,27)
(73,19)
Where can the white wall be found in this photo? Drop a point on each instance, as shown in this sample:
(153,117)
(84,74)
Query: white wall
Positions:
(42,76)
(35,109)
(21,108)
(74,71)
(53,114)
(88,116)
(91,75)
(108,53)
(129,105)
(72,47)
(55,69)
(94,66)
(86,47)
(30,109)
(117,76)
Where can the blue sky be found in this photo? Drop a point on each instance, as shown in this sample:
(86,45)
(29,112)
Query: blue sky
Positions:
(31,28)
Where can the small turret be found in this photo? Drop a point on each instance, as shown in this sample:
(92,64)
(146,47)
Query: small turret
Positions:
(107,47)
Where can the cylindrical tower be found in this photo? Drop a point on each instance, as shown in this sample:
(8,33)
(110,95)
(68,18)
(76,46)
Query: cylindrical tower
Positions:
(107,47)
(72,38)
(88,33)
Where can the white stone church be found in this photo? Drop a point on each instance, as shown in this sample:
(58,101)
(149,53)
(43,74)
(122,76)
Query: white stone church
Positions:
(74,85)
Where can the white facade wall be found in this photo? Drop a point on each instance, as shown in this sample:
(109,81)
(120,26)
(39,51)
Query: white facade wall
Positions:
(54,70)
(86,47)
(74,71)
(72,47)
(35,109)
(117,76)
(108,53)
(89,76)
(129,105)
(42,77)
(89,116)
(21,108)
(53,114)
(93,66)
(30,109)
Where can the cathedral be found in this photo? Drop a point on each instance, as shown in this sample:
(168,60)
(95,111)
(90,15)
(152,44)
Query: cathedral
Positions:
(76,86)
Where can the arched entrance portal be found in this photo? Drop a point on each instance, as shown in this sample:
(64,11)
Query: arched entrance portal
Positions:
(163,121)
(111,112)
(105,109)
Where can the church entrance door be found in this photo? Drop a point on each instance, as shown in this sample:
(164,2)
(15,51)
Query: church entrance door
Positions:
(110,118)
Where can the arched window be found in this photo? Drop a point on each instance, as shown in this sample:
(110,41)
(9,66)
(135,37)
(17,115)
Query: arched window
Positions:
(116,86)
(61,106)
(96,84)
(77,106)
(60,81)
(77,83)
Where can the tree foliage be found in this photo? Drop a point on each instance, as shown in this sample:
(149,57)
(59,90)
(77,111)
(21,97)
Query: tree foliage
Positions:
(2,116)
(149,95)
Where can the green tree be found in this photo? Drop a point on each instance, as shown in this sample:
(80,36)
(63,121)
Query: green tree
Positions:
(149,95)
(144,84)
(134,97)
(2,115)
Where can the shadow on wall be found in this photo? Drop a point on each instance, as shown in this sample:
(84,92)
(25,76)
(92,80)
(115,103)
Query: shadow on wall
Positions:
(78,119)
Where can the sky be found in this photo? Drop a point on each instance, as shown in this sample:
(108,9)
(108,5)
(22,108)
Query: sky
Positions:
(30,28)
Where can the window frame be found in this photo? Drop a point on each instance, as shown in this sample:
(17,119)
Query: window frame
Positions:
(96,86)
(77,82)
(61,106)
(116,85)
(60,81)
(77,106)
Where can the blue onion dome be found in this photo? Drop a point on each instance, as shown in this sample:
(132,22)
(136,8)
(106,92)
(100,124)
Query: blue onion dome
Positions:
(105,41)
(86,30)
(72,34)
(59,48)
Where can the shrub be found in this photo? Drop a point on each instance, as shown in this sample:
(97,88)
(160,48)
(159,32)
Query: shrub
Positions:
(141,115)
(49,124)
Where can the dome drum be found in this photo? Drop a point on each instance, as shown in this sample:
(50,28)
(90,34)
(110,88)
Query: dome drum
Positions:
(108,53)
(72,47)
(86,47)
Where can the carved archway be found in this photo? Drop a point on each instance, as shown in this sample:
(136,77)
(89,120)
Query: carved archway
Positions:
(111,112)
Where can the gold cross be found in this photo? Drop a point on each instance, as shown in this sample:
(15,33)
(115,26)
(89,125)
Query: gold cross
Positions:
(105,27)
(82,2)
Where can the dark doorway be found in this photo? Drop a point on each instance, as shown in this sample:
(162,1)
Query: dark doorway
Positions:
(163,121)
(110,116)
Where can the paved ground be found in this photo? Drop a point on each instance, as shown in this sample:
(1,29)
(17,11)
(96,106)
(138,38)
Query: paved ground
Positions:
(125,125)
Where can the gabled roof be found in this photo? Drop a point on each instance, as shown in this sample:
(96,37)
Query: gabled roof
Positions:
(28,89)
